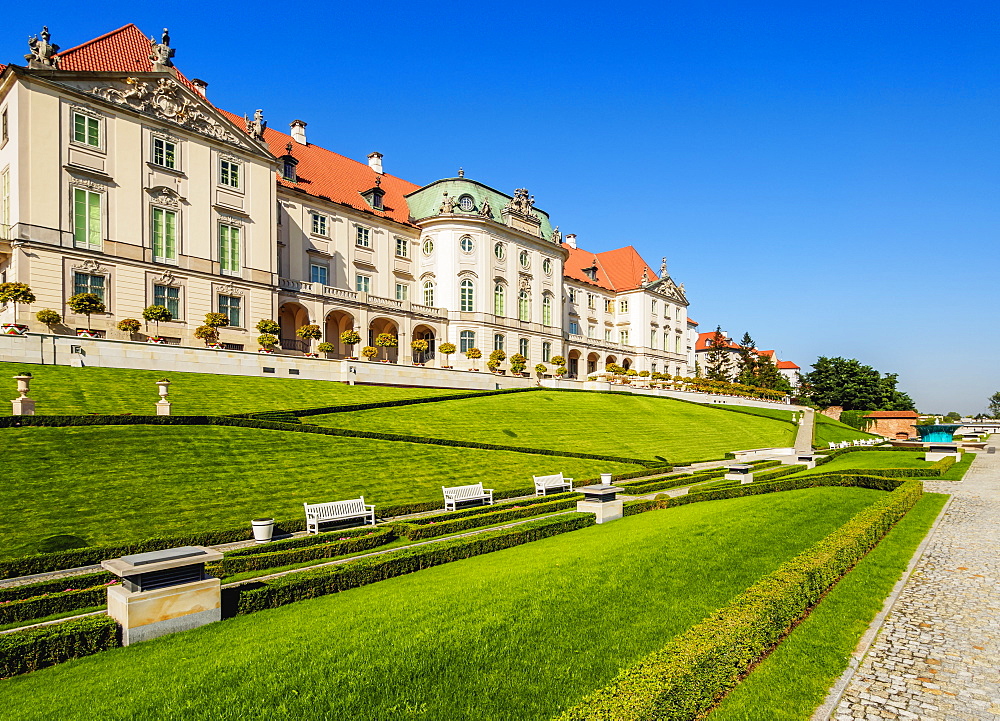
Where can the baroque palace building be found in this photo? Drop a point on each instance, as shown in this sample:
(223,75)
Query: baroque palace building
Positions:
(119,177)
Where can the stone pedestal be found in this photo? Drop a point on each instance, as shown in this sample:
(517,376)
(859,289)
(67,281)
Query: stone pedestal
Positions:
(602,501)
(935,452)
(802,459)
(740,472)
(163,408)
(23,407)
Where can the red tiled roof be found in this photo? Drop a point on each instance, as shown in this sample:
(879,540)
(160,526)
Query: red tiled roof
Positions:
(769,353)
(692,322)
(703,338)
(617,270)
(787,365)
(892,414)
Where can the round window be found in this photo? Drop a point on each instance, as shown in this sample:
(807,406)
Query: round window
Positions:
(466,203)
(498,251)
(523,257)
(467,244)
(428,246)
(547,266)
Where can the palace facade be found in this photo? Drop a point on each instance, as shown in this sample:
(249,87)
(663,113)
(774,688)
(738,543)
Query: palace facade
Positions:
(119,177)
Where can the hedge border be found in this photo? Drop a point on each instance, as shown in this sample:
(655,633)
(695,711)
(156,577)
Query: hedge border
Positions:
(29,609)
(692,671)
(35,648)
(233,564)
(432,529)
(31,590)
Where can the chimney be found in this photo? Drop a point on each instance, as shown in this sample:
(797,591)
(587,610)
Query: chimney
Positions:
(375,162)
(201,86)
(299,131)
(571,240)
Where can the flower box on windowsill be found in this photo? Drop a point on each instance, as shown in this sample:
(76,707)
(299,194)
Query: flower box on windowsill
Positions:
(269,351)
(88,334)
(311,355)
(156,339)
(14,329)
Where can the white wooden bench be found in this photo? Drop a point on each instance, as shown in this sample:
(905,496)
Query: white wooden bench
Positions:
(317,513)
(544,483)
(462,494)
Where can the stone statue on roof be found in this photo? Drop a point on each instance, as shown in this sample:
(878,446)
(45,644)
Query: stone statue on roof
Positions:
(645,276)
(161,52)
(522,203)
(255,127)
(447,205)
(663,267)
(43,53)
(556,235)
(485,209)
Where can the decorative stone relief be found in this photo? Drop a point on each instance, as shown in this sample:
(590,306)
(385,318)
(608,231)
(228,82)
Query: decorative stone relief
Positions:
(256,127)
(519,213)
(162,195)
(92,267)
(161,52)
(663,267)
(485,209)
(556,235)
(165,101)
(522,204)
(229,289)
(88,184)
(231,219)
(524,281)
(167,278)
(43,53)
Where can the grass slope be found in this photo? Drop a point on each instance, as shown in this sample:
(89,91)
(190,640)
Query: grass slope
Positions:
(870,459)
(109,484)
(826,430)
(632,426)
(492,638)
(66,390)
(794,680)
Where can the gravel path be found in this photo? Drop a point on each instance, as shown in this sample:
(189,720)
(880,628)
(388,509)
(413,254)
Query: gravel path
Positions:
(938,654)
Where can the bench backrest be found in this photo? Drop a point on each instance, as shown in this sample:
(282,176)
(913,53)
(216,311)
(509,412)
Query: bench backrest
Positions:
(473,491)
(556,480)
(337,508)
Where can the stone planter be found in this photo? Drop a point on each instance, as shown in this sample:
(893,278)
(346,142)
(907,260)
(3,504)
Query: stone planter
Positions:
(13,329)
(156,340)
(263,529)
(311,355)
(87,334)
(216,346)
(268,351)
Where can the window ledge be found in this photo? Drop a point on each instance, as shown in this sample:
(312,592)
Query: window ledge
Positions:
(172,171)
(93,172)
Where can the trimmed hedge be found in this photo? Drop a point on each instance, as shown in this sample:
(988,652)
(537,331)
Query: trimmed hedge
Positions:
(402,402)
(35,648)
(480,510)
(30,590)
(313,539)
(233,563)
(420,530)
(938,468)
(58,602)
(352,574)
(685,677)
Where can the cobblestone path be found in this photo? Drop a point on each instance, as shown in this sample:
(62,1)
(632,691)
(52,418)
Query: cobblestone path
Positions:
(938,653)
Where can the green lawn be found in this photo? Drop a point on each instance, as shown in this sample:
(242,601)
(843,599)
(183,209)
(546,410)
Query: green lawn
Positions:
(794,680)
(116,483)
(826,430)
(66,390)
(631,426)
(517,634)
(871,459)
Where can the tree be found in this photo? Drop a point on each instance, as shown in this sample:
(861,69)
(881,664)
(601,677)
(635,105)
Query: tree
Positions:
(717,362)
(268,326)
(446,349)
(994,405)
(309,333)
(129,325)
(846,382)
(16,293)
(49,317)
(746,370)
(156,314)
(386,341)
(350,338)
(953,416)
(768,376)
(85,304)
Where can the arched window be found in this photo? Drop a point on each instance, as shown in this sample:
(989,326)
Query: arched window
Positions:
(546,352)
(467,296)
(498,251)
(547,310)
(466,340)
(429,293)
(467,244)
(499,300)
(498,340)
(522,347)
(524,259)
(523,306)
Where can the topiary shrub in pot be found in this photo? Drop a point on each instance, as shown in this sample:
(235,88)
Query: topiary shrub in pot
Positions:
(214,321)
(419,347)
(446,349)
(156,314)
(208,334)
(473,354)
(644,374)
(15,293)
(496,358)
(540,369)
(561,371)
(326,348)
(369,352)
(309,333)
(350,338)
(49,317)
(386,341)
(86,304)
(130,326)
(558,360)
(267,342)
(518,363)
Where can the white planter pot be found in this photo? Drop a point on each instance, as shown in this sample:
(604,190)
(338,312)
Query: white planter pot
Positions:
(262,529)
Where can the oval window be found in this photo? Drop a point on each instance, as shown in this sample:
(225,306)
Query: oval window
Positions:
(466,203)
(466,244)
(524,259)
(547,266)
(428,246)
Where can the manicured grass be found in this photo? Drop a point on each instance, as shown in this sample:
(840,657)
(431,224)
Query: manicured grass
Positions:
(957,471)
(870,459)
(517,634)
(632,426)
(794,680)
(826,431)
(117,483)
(66,390)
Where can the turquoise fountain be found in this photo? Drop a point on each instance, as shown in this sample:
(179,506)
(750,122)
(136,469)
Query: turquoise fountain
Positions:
(942,433)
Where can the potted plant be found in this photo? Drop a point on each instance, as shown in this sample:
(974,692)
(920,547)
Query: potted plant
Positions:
(263,529)
(266,325)
(155,314)
(266,341)
(558,360)
(309,333)
(49,317)
(541,370)
(517,364)
(386,341)
(496,358)
(326,348)
(130,326)
(350,338)
(561,371)
(369,352)
(473,354)
(420,346)
(213,321)
(15,293)
(446,349)
(85,304)
(208,334)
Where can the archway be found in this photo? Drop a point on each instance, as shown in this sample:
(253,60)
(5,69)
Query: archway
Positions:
(573,360)
(383,325)
(592,360)
(291,317)
(609,360)
(424,332)
(337,321)
(627,363)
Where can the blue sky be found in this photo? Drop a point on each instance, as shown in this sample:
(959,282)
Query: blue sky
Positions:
(824,178)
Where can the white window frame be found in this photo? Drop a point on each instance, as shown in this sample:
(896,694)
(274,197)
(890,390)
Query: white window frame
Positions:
(324,271)
(233,172)
(523,346)
(467,244)
(427,293)
(362,236)
(402,291)
(319,224)
(574,328)
(362,283)
(163,257)
(466,340)
(86,142)
(237,322)
(402,248)
(89,230)
(169,148)
(236,267)
(467,296)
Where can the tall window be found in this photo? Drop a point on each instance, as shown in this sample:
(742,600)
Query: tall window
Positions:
(288,171)
(318,224)
(522,346)
(574,328)
(623,306)
(319,274)
(677,344)
(609,306)
(164,235)
(607,334)
(467,296)
(86,218)
(164,153)
(547,310)
(499,300)
(362,283)
(652,367)
(229,248)
(498,341)
(546,352)
(229,306)
(363,237)
(523,306)
(169,297)
(466,340)
(229,173)
(87,283)
(524,258)
(572,295)
(623,337)
(591,301)
(666,341)
(3,126)
(591,331)
(653,306)
(402,291)
(86,130)
(428,293)
(652,339)
(402,248)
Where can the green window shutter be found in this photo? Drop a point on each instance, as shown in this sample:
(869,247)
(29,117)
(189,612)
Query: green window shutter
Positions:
(157,232)
(79,215)
(94,207)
